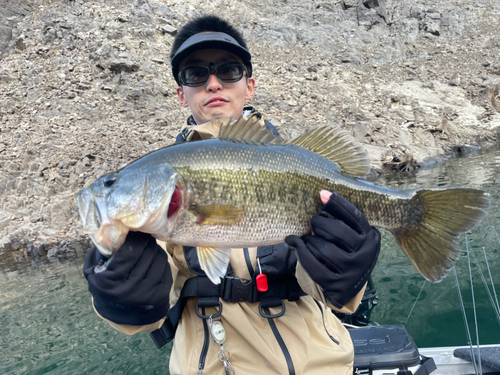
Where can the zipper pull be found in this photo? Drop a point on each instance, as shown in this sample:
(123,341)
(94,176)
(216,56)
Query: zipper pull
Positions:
(261,279)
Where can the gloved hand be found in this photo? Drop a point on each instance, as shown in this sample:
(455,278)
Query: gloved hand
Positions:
(342,251)
(133,286)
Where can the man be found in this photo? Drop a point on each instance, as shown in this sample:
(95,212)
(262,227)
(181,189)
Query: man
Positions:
(284,324)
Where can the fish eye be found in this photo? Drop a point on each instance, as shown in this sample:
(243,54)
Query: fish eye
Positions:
(109,181)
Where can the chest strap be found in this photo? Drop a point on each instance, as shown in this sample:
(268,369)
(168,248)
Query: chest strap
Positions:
(231,289)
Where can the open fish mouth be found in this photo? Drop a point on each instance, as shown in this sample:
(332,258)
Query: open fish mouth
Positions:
(89,213)
(135,201)
(107,234)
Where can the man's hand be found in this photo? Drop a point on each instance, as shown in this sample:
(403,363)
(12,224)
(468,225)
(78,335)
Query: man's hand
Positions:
(133,286)
(342,251)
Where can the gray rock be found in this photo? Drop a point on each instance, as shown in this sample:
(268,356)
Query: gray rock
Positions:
(162,10)
(121,65)
(6,26)
(4,219)
(411,28)
(167,29)
(14,241)
(432,26)
(379,6)
(352,56)
(60,213)
(350,3)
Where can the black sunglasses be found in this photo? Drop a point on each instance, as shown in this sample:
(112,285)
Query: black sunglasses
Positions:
(196,76)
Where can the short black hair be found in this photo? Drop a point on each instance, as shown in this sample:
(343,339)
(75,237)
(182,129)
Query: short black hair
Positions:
(215,28)
(202,24)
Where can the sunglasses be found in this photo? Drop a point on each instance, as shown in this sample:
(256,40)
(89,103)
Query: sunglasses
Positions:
(196,76)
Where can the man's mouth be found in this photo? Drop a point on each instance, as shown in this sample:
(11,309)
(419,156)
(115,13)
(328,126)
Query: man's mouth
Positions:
(216,101)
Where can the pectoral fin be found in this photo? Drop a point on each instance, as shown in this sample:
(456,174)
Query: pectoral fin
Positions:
(217,214)
(213,261)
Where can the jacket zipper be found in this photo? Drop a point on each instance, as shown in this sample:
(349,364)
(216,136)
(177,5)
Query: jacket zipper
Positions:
(204,350)
(284,349)
(324,325)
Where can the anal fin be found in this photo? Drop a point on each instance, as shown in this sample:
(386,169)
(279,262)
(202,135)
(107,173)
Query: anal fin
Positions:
(213,261)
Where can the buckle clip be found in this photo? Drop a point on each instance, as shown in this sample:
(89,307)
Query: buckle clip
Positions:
(235,289)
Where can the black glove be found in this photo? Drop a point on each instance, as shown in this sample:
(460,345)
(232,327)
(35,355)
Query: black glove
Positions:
(342,254)
(133,286)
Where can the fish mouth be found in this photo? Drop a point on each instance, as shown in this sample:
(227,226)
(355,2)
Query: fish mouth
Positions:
(107,234)
(140,200)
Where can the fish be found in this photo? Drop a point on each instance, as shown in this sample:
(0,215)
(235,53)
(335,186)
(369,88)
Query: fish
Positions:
(248,188)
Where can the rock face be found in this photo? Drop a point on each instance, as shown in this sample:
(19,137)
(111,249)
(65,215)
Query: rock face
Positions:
(85,88)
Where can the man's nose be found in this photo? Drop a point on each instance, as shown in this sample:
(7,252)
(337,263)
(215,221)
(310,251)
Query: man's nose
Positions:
(213,83)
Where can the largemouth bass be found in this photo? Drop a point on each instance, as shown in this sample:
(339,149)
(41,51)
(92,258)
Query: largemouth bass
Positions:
(247,188)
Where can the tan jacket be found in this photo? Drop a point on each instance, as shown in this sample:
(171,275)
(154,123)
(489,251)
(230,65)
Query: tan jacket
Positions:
(315,339)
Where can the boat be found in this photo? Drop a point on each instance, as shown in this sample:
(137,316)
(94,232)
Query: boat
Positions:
(389,349)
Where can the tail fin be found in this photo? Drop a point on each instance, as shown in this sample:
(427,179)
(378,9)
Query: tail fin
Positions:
(431,244)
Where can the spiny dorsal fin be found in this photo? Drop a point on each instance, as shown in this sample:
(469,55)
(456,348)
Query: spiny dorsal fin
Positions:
(248,129)
(339,146)
(330,142)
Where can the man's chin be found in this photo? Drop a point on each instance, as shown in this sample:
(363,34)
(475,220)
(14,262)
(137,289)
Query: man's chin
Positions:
(217,115)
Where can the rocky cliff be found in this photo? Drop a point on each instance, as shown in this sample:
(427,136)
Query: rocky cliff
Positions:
(85,87)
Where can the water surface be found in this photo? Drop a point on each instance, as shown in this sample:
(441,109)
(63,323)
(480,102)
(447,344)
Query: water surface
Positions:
(48,326)
(437,319)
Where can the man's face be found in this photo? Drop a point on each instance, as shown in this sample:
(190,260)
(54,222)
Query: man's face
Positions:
(215,99)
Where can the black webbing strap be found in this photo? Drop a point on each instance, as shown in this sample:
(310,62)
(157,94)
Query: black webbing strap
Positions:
(193,287)
(231,289)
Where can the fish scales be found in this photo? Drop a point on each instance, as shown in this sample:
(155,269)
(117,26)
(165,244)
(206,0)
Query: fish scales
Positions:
(279,185)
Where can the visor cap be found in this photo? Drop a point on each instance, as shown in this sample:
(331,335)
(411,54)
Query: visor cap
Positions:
(210,40)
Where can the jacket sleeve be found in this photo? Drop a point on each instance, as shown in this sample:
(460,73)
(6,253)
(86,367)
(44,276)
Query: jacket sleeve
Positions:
(315,291)
(129,329)
(179,278)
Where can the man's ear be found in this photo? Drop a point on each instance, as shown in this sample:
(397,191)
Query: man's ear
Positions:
(182,97)
(250,88)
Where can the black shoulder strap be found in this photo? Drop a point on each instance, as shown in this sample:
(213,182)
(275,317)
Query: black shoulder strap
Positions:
(193,287)
(166,333)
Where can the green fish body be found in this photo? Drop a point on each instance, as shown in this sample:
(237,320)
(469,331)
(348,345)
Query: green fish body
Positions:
(247,188)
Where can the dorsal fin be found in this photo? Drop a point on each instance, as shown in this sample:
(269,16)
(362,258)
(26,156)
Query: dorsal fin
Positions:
(249,129)
(332,143)
(339,146)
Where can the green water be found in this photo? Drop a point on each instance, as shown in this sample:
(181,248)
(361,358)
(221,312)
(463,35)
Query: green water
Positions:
(437,319)
(47,324)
